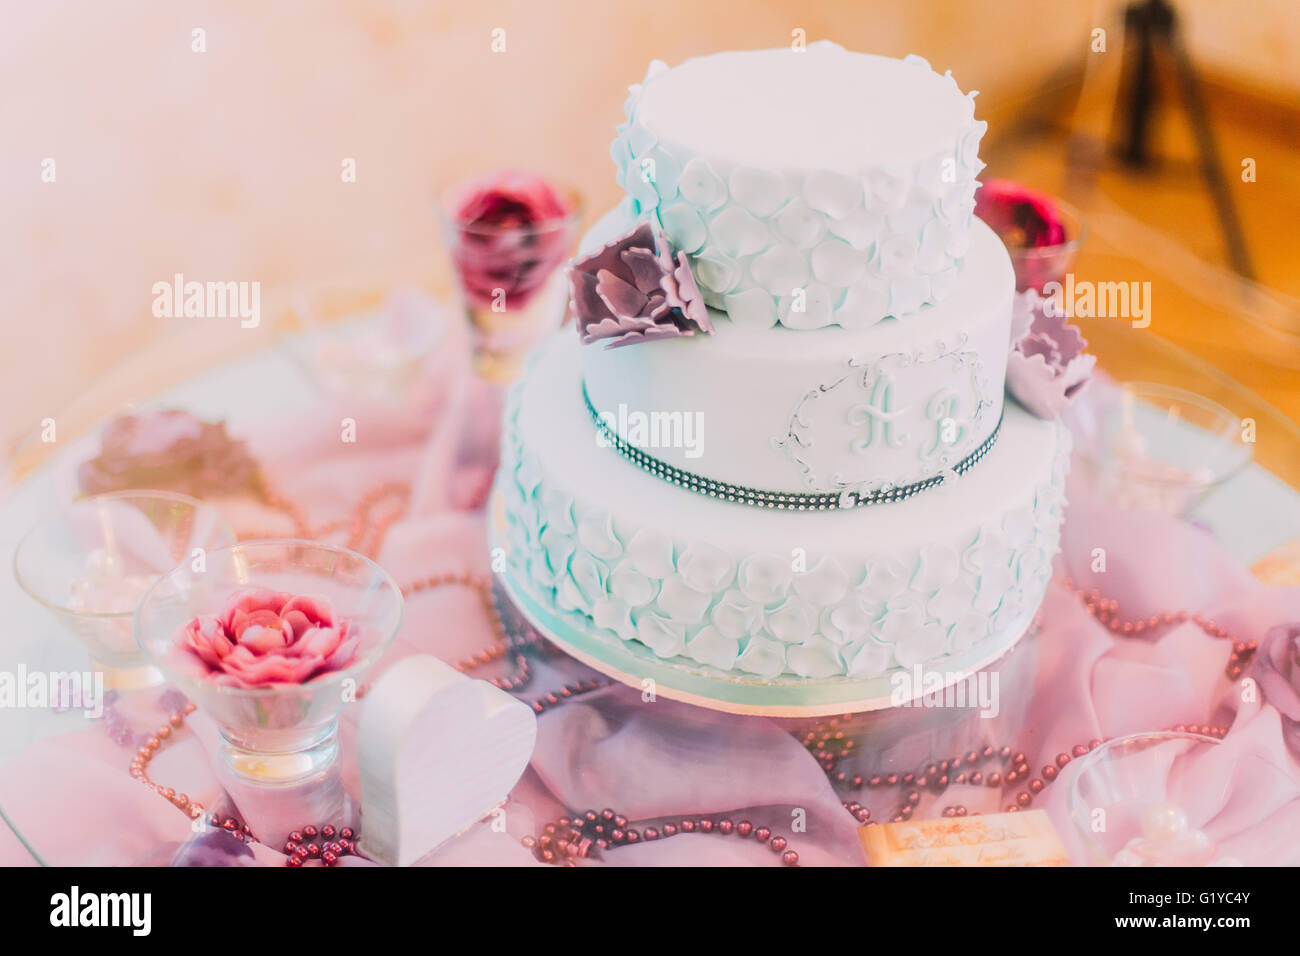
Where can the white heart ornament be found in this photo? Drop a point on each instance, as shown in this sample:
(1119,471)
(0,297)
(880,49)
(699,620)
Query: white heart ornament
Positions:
(436,751)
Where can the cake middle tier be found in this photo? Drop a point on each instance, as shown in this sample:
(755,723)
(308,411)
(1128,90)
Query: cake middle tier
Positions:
(825,410)
(948,576)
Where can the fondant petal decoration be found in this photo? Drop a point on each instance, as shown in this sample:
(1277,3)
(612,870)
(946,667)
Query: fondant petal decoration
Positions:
(793,622)
(735,615)
(710,646)
(651,553)
(596,533)
(762,656)
(846,623)
(936,568)
(706,568)
(666,638)
(764,578)
(865,659)
(815,658)
(824,584)
(921,645)
(680,603)
(631,586)
(614,615)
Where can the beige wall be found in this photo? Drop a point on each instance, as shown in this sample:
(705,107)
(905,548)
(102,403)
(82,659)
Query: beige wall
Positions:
(225,165)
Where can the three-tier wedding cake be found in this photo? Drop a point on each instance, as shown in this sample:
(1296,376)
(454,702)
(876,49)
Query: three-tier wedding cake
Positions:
(777,447)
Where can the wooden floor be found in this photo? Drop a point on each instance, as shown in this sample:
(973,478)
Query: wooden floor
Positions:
(1159,225)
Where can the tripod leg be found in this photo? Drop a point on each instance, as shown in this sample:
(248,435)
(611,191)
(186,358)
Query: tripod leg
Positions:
(1211,167)
(1141,93)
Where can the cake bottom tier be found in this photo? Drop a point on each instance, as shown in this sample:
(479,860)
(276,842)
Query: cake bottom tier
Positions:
(937,579)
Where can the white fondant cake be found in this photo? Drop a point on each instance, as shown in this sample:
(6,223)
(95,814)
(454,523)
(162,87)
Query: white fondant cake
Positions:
(851,592)
(835,486)
(787,410)
(809,187)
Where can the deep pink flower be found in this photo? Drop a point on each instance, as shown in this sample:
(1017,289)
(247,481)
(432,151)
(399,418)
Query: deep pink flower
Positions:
(512,230)
(1032,226)
(264,638)
(634,290)
(1047,365)
(1022,217)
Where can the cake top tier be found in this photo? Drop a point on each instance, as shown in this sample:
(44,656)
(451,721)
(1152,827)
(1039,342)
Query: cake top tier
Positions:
(807,188)
(824,108)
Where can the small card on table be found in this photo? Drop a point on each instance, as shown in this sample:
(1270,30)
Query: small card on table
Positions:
(1025,838)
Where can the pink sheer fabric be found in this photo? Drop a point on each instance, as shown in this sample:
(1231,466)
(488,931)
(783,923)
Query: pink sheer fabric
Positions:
(660,759)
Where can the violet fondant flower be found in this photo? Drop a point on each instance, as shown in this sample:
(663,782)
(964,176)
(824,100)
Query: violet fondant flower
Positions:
(265,638)
(512,231)
(634,290)
(169,450)
(1047,365)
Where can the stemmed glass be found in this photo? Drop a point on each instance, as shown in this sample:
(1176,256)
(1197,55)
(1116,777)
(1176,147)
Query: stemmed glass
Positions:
(1172,798)
(509,279)
(1147,445)
(282,734)
(89,563)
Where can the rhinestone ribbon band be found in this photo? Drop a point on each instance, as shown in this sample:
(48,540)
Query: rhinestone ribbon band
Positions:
(781,500)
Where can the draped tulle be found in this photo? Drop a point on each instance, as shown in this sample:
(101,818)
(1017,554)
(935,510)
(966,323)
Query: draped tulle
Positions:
(656,759)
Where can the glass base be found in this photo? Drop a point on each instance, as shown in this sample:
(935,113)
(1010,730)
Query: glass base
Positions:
(500,368)
(128,678)
(283,762)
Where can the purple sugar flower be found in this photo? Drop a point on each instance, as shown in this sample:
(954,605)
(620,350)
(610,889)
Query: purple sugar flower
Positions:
(1047,365)
(634,290)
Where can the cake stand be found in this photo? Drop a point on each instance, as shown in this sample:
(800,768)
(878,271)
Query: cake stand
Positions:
(685,680)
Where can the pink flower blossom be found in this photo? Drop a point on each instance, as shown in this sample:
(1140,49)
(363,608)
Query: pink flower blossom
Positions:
(264,638)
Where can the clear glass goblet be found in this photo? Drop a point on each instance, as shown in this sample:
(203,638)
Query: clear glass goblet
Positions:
(510,281)
(89,563)
(1174,798)
(1147,445)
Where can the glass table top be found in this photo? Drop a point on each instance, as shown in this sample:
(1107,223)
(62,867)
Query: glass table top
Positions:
(1254,513)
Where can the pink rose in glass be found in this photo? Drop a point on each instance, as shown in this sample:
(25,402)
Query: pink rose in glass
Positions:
(1022,217)
(512,230)
(1040,232)
(1047,366)
(265,638)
